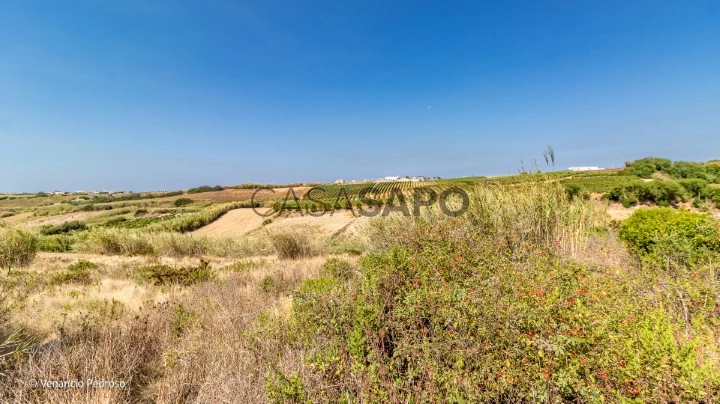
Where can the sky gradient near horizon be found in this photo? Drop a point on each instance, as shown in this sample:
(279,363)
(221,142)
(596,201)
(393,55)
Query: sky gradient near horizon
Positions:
(149,95)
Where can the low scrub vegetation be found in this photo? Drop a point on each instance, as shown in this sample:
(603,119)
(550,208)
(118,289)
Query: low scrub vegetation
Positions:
(293,244)
(132,242)
(531,296)
(193,221)
(182,202)
(165,275)
(17,247)
(647,167)
(77,273)
(453,311)
(57,243)
(661,193)
(677,241)
(64,228)
(205,188)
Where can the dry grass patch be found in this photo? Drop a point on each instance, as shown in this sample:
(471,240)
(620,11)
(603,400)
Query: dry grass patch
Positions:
(210,342)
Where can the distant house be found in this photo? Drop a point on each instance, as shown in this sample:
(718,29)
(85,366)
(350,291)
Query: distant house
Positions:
(391,178)
(584,168)
(339,181)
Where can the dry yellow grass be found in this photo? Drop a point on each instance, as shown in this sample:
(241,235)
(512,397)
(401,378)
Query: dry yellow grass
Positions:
(618,212)
(340,221)
(16,219)
(219,355)
(60,219)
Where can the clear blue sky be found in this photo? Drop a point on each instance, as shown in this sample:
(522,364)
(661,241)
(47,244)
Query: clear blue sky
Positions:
(146,94)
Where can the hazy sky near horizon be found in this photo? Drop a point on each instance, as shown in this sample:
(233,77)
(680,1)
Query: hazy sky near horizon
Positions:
(148,94)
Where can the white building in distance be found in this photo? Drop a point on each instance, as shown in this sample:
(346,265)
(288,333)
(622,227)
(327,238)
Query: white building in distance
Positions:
(584,168)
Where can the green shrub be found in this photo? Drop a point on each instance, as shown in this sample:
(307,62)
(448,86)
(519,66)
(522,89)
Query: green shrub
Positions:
(164,274)
(115,222)
(456,313)
(183,202)
(77,273)
(182,320)
(647,227)
(138,223)
(337,268)
(695,186)
(663,193)
(684,169)
(56,243)
(284,389)
(576,191)
(64,228)
(205,188)
(715,198)
(17,247)
(657,163)
(267,284)
(642,170)
(242,266)
(346,245)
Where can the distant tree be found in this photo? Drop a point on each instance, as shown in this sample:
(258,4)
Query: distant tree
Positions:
(641,169)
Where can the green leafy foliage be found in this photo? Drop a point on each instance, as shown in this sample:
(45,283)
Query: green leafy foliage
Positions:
(646,167)
(182,320)
(183,202)
(599,183)
(695,186)
(663,193)
(455,313)
(56,243)
(576,191)
(205,188)
(285,389)
(648,227)
(67,227)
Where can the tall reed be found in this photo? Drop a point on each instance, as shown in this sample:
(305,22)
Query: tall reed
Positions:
(539,213)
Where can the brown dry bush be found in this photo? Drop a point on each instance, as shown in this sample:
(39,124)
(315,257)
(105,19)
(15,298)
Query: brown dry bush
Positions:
(215,341)
(226,354)
(293,244)
(129,352)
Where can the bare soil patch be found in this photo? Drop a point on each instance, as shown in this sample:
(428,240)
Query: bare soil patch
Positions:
(237,222)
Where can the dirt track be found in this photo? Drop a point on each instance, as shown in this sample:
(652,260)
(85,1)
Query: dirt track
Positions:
(237,222)
(339,222)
